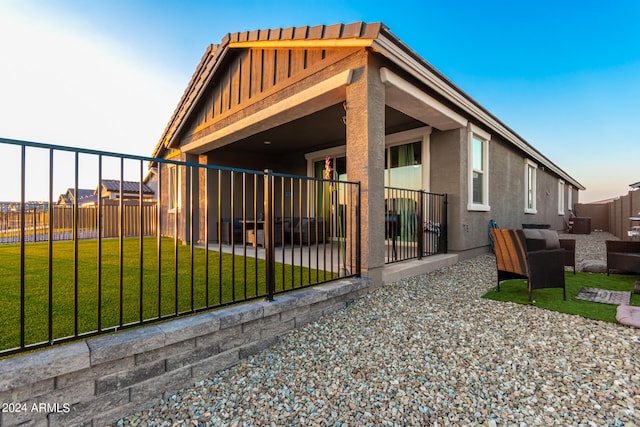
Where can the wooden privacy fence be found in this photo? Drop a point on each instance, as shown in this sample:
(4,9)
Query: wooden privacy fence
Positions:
(37,222)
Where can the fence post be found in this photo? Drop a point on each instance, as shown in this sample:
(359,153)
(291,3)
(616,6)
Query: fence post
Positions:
(35,226)
(443,229)
(268,233)
(358,233)
(421,216)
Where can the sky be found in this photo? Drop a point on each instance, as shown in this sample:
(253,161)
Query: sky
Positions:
(107,75)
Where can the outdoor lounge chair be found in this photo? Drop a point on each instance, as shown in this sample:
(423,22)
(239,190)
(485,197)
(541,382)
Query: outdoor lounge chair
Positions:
(230,228)
(623,255)
(309,231)
(542,268)
(538,239)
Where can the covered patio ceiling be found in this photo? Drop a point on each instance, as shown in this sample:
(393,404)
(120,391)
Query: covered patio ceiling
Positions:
(322,129)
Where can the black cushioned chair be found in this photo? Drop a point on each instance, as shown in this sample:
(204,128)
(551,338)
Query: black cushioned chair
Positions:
(542,268)
(623,255)
(538,239)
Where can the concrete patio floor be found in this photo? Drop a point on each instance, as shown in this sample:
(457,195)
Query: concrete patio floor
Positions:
(326,257)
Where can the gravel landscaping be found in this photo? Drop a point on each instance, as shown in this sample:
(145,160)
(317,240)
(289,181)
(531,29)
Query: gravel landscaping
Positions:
(429,351)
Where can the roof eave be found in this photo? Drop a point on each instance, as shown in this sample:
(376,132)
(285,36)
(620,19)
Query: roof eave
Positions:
(393,48)
(213,52)
(337,35)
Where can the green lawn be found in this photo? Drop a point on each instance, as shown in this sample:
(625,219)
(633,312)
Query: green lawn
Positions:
(226,284)
(551,299)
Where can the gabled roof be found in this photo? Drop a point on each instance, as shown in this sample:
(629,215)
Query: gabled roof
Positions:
(82,192)
(127,186)
(67,196)
(635,185)
(375,36)
(354,34)
(89,200)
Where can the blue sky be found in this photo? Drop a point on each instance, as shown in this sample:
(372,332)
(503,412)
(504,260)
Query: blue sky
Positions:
(564,75)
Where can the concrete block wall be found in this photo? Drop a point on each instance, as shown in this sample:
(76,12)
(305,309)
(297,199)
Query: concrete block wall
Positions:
(99,380)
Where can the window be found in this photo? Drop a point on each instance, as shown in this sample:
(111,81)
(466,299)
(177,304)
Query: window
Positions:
(338,168)
(174,188)
(403,166)
(570,198)
(530,169)
(560,197)
(478,186)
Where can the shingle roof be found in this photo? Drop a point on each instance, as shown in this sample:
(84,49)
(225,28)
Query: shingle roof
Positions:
(127,186)
(82,193)
(67,197)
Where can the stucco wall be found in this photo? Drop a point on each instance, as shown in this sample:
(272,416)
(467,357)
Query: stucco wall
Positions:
(468,234)
(507,191)
(445,176)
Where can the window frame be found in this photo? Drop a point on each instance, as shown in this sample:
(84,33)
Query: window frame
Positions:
(570,198)
(475,133)
(530,186)
(561,197)
(174,188)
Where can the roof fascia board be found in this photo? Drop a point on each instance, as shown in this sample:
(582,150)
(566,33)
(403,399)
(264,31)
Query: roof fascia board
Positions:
(390,48)
(243,126)
(214,56)
(303,43)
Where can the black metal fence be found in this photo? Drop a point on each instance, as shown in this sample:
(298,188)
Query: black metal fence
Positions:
(212,236)
(415,224)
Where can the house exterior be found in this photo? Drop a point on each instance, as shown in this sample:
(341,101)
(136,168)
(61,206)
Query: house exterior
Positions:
(287,98)
(110,190)
(68,197)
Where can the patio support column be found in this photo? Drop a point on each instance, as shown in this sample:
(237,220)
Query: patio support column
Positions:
(365,136)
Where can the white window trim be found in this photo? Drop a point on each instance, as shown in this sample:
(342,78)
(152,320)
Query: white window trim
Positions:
(317,156)
(570,198)
(561,198)
(422,134)
(529,164)
(174,171)
(485,138)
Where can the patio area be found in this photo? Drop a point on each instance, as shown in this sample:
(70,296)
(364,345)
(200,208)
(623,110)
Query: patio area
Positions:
(326,256)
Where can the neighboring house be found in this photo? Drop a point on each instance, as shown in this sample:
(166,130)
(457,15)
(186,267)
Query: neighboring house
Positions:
(28,206)
(358,94)
(68,197)
(151,180)
(130,190)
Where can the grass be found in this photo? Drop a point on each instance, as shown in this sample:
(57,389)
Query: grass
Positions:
(551,299)
(230,279)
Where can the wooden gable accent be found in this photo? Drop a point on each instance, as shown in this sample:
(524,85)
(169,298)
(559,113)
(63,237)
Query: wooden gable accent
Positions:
(252,74)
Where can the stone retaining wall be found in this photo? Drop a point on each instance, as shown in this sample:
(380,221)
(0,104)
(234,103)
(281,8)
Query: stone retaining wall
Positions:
(97,381)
